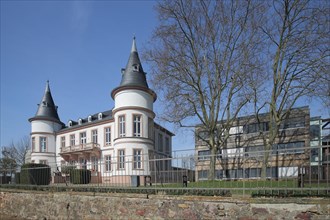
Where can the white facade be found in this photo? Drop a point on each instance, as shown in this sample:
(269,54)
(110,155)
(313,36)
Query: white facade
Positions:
(120,141)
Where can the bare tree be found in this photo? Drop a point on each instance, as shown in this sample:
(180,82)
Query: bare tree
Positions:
(297,35)
(201,54)
(17,150)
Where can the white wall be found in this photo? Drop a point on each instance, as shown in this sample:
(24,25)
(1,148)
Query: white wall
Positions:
(133,98)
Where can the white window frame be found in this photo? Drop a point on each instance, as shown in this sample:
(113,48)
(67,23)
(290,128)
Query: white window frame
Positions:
(43,144)
(33,144)
(137,158)
(107,135)
(83,138)
(121,159)
(107,159)
(122,125)
(95,163)
(94,136)
(63,141)
(137,125)
(72,140)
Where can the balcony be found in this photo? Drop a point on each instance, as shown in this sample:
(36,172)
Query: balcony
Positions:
(82,150)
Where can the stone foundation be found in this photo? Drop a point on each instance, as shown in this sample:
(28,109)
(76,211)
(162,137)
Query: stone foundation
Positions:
(71,205)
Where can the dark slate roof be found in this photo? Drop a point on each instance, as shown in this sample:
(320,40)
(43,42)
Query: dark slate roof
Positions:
(106,115)
(133,74)
(47,109)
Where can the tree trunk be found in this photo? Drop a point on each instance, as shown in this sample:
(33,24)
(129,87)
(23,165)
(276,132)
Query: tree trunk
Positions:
(213,158)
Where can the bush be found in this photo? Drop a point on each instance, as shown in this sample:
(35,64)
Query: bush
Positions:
(66,169)
(80,176)
(35,174)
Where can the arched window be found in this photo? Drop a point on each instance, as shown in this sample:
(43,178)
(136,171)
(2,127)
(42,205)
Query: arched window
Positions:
(90,118)
(100,116)
(70,123)
(79,121)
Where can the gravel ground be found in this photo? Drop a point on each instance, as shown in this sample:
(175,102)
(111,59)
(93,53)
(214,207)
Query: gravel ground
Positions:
(9,217)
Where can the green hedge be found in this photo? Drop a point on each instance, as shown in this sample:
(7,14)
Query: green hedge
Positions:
(35,174)
(80,176)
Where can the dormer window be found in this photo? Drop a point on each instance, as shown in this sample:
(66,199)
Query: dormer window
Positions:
(90,118)
(79,121)
(100,116)
(70,124)
(136,67)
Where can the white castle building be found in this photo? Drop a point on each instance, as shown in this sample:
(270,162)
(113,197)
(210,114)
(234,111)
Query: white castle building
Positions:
(117,142)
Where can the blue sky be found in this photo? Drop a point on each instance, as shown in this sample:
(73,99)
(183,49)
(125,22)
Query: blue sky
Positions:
(80,47)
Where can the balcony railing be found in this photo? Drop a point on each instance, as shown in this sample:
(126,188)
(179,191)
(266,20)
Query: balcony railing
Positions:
(80,147)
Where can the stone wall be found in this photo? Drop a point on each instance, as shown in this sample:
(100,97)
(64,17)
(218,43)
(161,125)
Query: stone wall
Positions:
(70,205)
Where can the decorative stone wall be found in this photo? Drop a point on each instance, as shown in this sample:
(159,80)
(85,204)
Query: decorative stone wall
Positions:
(69,205)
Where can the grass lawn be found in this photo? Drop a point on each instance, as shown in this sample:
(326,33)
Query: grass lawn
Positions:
(248,187)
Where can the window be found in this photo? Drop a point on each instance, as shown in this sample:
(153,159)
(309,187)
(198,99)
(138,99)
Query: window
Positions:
(167,145)
(94,163)
(80,121)
(121,159)
(107,135)
(33,143)
(150,128)
(70,124)
(72,140)
(202,174)
(203,135)
(63,141)
(94,136)
(137,159)
(255,151)
(83,138)
(289,148)
(43,161)
(107,163)
(82,163)
(256,127)
(160,142)
(100,115)
(122,131)
(137,125)
(43,144)
(204,155)
(298,122)
(90,118)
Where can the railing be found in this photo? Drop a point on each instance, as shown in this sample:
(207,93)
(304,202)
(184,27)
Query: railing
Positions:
(79,147)
(286,173)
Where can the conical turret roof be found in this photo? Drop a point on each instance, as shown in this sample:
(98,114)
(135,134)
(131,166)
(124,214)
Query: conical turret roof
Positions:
(47,110)
(133,74)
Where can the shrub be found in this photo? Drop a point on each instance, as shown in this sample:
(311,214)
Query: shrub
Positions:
(80,176)
(35,174)
(66,169)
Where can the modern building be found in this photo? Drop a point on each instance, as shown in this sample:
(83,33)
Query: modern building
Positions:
(244,154)
(114,144)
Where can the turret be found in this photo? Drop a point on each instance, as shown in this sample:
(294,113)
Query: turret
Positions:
(133,111)
(43,127)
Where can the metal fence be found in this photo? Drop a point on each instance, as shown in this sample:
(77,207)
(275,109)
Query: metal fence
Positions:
(236,172)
